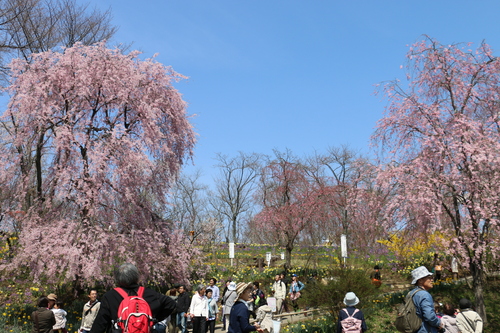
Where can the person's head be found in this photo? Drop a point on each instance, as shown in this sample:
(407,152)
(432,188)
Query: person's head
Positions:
(52,300)
(277,277)
(42,302)
(244,291)
(256,285)
(282,276)
(376,267)
(58,305)
(231,286)
(209,293)
(294,277)
(448,309)
(200,290)
(464,303)
(422,278)
(437,307)
(351,299)
(213,281)
(181,289)
(126,275)
(92,295)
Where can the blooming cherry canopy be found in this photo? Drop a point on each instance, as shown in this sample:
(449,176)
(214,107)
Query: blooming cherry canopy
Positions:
(92,139)
(441,140)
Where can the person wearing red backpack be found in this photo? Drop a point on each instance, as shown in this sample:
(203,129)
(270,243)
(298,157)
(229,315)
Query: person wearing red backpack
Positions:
(127,279)
(351,319)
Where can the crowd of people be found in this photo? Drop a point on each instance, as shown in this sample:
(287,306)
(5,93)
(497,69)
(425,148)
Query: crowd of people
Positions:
(176,311)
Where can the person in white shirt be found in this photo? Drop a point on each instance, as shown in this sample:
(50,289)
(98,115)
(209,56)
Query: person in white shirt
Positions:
(198,310)
(60,315)
(215,289)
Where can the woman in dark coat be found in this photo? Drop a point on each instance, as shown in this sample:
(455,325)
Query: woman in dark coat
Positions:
(240,315)
(43,318)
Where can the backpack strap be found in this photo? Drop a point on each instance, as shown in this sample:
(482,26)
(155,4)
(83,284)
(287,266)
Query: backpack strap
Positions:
(468,322)
(355,311)
(140,291)
(122,292)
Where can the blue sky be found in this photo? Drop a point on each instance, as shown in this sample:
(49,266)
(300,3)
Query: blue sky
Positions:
(301,75)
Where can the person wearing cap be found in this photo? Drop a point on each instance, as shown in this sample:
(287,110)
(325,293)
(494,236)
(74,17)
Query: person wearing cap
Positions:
(295,287)
(240,315)
(424,303)
(52,300)
(351,300)
(468,320)
(229,299)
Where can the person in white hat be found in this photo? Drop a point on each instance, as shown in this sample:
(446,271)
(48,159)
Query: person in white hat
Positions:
(350,316)
(239,319)
(424,304)
(229,299)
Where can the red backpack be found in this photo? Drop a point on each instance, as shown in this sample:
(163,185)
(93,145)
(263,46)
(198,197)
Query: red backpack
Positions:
(134,313)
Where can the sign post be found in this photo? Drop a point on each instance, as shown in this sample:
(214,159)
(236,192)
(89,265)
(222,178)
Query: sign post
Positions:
(231,252)
(343,246)
(268,259)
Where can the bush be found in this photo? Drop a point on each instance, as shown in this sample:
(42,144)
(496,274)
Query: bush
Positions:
(329,293)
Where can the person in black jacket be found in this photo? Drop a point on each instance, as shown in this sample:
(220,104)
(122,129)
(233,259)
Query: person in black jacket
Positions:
(127,278)
(351,300)
(183,303)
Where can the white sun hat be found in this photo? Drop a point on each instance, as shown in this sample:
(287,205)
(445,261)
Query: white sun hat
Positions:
(418,273)
(232,286)
(351,299)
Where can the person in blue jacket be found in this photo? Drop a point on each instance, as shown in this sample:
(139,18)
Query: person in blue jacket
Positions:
(295,287)
(424,304)
(239,318)
(351,300)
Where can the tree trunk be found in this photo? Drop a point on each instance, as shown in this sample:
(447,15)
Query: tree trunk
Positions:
(233,222)
(478,283)
(288,256)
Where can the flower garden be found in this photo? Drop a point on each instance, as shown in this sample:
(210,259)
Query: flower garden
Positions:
(326,279)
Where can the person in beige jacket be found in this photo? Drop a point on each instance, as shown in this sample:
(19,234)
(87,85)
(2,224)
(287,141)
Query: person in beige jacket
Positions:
(468,320)
(279,289)
(265,318)
(90,310)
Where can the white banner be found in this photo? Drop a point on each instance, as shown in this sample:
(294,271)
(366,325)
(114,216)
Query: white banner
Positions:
(231,250)
(343,246)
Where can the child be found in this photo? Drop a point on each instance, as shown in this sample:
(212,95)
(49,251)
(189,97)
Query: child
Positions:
(449,320)
(60,314)
(350,317)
